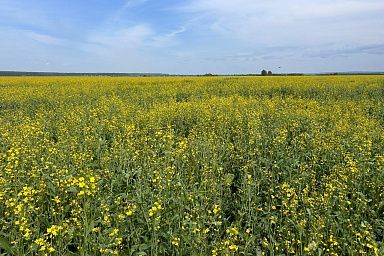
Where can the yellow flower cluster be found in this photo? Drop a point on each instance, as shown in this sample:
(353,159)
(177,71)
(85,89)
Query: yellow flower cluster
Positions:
(154,209)
(192,165)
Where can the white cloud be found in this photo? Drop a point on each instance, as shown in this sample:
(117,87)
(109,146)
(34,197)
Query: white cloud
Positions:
(131,37)
(45,39)
(132,3)
(140,37)
(137,48)
(300,7)
(296,22)
(21,13)
(201,36)
(127,5)
(167,40)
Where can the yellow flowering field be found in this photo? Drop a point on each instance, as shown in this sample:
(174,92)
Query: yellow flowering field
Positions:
(192,166)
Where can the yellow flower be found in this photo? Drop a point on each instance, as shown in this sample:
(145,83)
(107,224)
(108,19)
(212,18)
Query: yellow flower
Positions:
(176,241)
(39,241)
(216,209)
(232,231)
(370,246)
(54,230)
(233,247)
(196,230)
(155,208)
(114,232)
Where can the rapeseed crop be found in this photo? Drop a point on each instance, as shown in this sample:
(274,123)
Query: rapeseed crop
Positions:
(192,166)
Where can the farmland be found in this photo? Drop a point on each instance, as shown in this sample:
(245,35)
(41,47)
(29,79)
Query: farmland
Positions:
(192,166)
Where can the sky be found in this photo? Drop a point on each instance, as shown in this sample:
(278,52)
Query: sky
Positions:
(192,36)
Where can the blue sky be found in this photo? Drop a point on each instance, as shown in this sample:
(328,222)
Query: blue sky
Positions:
(192,36)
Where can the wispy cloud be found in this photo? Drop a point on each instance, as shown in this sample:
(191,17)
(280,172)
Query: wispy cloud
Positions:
(292,22)
(17,13)
(192,36)
(132,3)
(168,39)
(128,4)
(45,39)
(372,49)
(138,37)
(131,37)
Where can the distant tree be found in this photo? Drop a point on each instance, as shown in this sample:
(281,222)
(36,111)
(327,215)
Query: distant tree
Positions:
(264,72)
(269,73)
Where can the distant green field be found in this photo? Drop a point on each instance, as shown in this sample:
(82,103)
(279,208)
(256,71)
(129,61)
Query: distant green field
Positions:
(192,166)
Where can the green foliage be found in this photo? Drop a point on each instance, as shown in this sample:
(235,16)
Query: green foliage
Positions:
(5,246)
(192,166)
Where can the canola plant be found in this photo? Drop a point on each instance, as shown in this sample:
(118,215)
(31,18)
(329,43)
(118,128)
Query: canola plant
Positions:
(192,166)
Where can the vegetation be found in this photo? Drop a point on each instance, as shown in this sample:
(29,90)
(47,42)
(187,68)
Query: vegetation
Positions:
(192,166)
(266,73)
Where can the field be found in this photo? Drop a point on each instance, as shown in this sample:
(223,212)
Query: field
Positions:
(192,166)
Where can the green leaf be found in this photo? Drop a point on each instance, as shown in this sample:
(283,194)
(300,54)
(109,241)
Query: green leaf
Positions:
(229,177)
(144,247)
(72,190)
(4,244)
